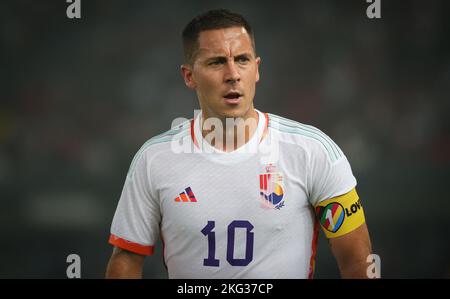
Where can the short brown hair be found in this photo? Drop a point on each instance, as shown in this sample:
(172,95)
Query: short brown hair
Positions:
(213,19)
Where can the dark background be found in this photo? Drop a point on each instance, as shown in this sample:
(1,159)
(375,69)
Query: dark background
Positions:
(80,96)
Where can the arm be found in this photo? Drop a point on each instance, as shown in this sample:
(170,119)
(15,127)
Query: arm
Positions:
(125,264)
(351,251)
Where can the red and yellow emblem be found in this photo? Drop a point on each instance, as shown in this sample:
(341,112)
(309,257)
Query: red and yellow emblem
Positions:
(271,188)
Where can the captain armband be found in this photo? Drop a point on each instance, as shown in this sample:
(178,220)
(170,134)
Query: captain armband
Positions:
(340,215)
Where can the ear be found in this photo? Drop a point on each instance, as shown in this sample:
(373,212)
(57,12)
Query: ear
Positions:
(186,72)
(258,61)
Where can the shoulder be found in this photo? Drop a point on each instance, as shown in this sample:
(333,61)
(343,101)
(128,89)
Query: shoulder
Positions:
(309,138)
(160,143)
(166,137)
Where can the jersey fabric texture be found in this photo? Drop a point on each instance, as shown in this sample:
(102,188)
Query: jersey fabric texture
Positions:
(248,213)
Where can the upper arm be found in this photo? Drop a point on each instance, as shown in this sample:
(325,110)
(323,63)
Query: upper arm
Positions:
(351,251)
(343,222)
(125,264)
(354,244)
(338,208)
(135,226)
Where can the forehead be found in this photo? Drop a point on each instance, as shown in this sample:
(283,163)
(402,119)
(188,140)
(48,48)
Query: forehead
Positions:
(224,41)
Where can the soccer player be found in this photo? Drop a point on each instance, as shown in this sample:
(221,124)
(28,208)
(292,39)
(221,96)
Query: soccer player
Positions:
(248,201)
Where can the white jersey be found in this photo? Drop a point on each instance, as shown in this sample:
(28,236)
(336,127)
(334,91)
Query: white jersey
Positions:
(242,214)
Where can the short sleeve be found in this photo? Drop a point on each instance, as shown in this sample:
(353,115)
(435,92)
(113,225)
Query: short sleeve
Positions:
(135,226)
(330,174)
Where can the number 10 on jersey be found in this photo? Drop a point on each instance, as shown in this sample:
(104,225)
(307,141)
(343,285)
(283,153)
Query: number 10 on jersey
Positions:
(208,231)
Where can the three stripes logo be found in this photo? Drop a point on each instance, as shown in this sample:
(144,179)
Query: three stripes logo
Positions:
(186,196)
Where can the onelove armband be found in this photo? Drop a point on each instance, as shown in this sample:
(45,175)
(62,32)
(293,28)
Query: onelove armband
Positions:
(340,215)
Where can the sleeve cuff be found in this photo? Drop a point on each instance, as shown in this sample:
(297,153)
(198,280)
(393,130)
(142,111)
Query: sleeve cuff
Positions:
(130,246)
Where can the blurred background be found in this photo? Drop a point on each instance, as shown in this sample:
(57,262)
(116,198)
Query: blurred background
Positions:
(80,96)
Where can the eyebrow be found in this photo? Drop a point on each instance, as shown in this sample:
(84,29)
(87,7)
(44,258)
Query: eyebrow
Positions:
(224,58)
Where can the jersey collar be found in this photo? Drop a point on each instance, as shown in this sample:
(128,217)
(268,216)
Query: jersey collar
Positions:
(250,147)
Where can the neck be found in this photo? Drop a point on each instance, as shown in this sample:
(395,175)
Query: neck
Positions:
(228,134)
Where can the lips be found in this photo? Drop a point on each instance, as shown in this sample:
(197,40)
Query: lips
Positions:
(232,97)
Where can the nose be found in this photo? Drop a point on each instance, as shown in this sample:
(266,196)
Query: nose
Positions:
(232,74)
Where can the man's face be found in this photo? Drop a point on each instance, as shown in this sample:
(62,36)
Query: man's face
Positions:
(224,73)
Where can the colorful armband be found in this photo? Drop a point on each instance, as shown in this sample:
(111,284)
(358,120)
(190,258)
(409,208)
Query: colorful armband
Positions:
(340,215)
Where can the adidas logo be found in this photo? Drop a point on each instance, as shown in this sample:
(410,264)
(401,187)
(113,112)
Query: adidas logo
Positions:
(186,196)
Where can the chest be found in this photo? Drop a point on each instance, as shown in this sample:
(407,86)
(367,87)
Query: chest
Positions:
(200,192)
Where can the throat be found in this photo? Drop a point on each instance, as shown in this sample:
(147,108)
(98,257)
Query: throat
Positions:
(229,134)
